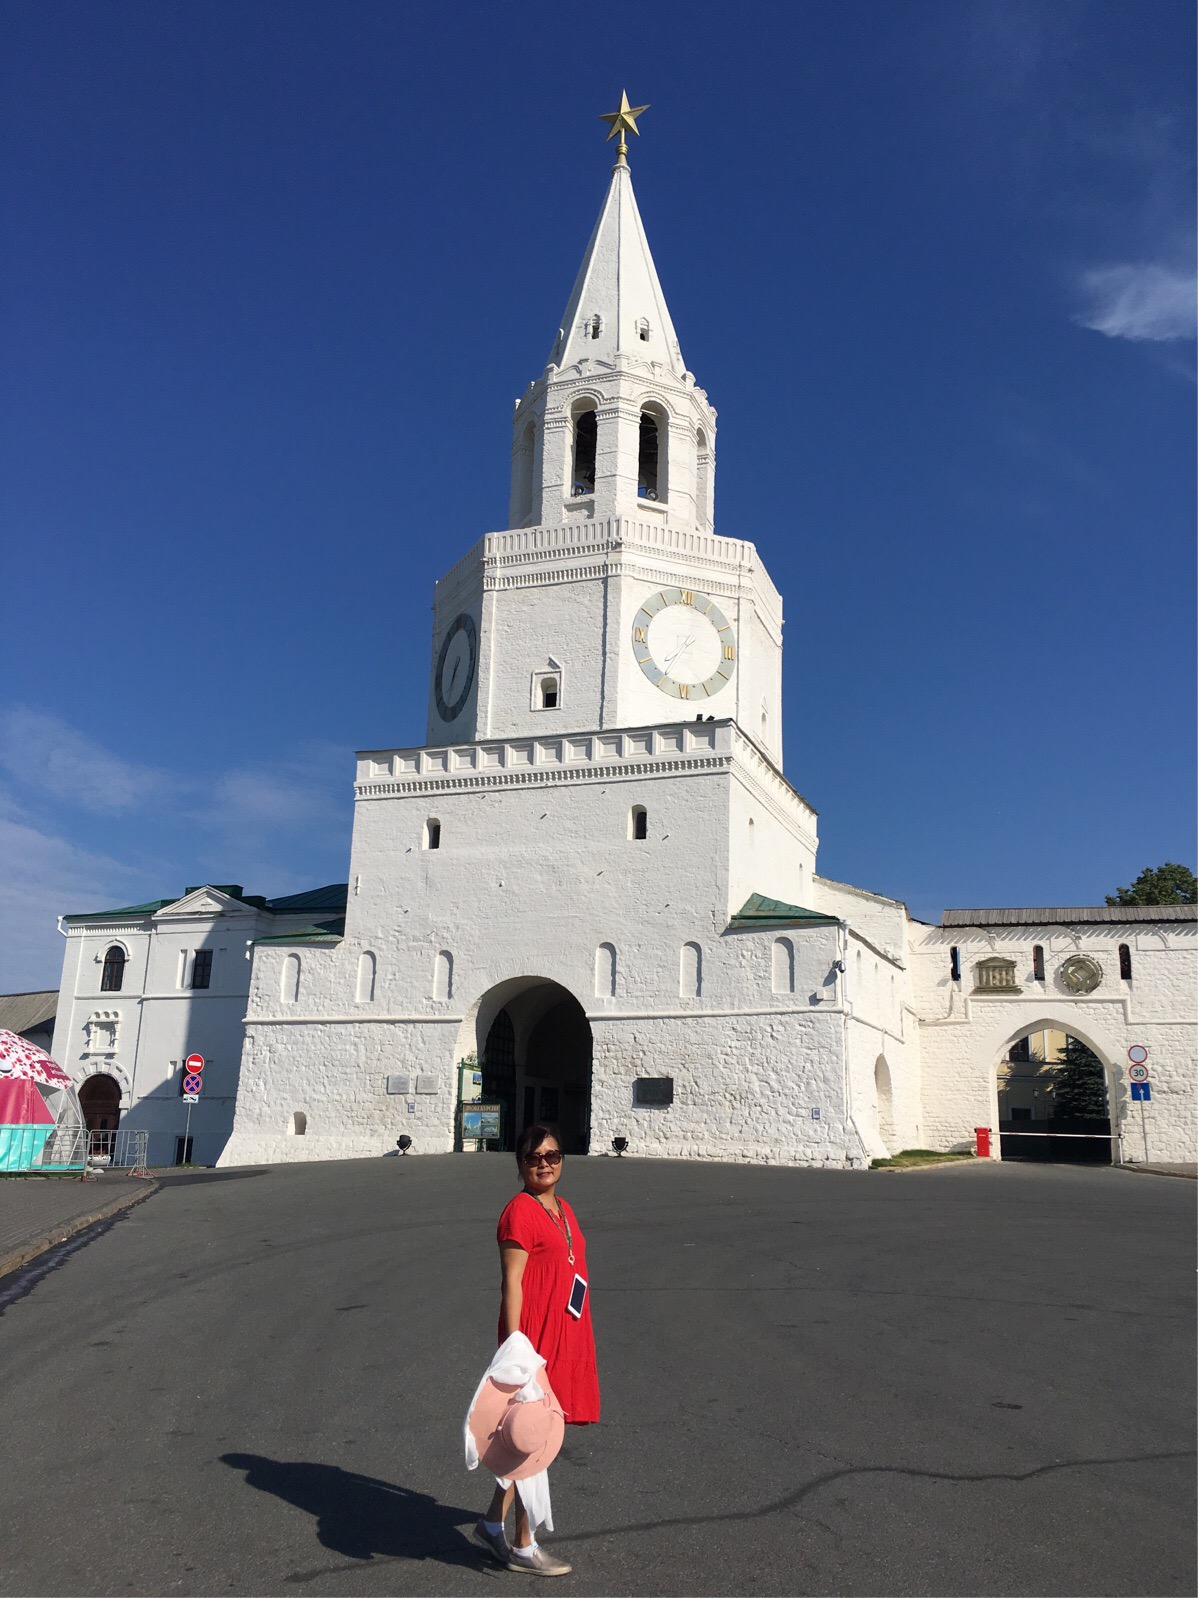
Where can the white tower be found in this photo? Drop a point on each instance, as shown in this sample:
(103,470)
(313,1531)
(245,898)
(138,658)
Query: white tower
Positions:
(609,602)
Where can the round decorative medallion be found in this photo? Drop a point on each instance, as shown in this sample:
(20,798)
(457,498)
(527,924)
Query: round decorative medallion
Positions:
(1081,974)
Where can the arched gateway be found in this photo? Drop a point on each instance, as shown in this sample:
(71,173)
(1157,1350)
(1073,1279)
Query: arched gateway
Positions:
(1055,1092)
(532,1041)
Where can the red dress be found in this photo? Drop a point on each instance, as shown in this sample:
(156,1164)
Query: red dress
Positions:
(566,1345)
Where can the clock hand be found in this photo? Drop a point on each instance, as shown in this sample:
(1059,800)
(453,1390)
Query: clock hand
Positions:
(453,676)
(681,650)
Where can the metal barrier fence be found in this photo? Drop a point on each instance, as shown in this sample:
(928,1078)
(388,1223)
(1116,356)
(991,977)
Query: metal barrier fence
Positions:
(123,1149)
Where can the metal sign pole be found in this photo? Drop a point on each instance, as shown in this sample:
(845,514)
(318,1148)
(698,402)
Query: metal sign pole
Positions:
(186,1137)
(1144,1130)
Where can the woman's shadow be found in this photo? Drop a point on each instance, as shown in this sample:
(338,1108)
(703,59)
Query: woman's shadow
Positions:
(362,1517)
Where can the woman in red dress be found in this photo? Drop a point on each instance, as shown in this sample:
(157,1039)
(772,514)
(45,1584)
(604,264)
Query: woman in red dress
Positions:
(542,1251)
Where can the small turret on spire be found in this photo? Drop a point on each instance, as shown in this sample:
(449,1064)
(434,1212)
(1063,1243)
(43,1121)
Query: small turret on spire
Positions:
(623,121)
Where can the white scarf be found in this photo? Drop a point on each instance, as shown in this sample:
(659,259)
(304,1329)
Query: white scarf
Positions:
(516,1364)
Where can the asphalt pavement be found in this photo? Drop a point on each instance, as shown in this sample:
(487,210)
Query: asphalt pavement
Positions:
(971,1379)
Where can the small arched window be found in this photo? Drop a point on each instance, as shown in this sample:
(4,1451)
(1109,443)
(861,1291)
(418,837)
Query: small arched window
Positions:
(690,971)
(289,984)
(954,963)
(432,833)
(298,1124)
(113,974)
(586,439)
(443,975)
(1125,962)
(1037,962)
(548,687)
(605,971)
(638,822)
(595,326)
(784,966)
(642,329)
(367,966)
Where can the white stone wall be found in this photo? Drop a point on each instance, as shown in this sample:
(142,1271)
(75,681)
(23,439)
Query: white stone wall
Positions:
(963,1034)
(535,870)
(569,595)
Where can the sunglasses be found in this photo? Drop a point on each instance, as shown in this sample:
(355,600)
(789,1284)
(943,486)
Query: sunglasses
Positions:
(554,1157)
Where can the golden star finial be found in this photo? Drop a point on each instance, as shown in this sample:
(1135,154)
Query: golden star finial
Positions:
(621,122)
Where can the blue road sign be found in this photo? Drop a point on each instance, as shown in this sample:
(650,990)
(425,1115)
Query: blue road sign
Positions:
(1142,1091)
(192,1083)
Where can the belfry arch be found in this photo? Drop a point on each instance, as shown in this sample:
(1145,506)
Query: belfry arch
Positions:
(532,1040)
(1035,1119)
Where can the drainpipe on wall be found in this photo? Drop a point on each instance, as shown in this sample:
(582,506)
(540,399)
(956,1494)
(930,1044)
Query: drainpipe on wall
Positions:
(842,949)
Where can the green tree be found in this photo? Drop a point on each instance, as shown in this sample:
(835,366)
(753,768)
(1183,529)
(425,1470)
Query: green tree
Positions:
(1080,1087)
(1167,884)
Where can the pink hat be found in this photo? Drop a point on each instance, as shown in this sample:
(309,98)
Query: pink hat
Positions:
(516,1440)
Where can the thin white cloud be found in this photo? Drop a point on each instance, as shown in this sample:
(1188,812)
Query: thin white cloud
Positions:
(1144,302)
(42,751)
(46,876)
(310,790)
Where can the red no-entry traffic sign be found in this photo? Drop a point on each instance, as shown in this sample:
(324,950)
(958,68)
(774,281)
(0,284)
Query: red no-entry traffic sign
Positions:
(194,1062)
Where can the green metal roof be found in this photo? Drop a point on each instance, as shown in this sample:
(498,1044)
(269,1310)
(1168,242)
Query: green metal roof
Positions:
(126,910)
(758,911)
(332,897)
(320,932)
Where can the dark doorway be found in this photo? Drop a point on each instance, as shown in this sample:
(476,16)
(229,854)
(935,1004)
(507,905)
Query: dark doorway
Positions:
(100,1101)
(534,1052)
(499,1076)
(558,1060)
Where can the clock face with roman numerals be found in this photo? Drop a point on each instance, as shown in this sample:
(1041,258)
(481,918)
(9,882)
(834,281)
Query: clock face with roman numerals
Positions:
(684,643)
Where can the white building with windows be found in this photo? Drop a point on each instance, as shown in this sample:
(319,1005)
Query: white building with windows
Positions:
(146,985)
(591,894)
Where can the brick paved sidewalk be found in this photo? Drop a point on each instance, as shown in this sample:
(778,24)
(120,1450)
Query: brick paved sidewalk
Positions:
(38,1212)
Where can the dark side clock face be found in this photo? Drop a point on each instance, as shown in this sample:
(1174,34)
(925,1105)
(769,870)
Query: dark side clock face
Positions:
(454,676)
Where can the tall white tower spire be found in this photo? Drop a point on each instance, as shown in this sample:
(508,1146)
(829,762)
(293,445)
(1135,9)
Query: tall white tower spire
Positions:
(615,423)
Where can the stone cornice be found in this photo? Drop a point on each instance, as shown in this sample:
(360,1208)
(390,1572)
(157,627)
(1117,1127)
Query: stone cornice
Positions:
(456,782)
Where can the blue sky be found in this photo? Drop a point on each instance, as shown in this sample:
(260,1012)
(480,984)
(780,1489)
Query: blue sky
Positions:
(278,271)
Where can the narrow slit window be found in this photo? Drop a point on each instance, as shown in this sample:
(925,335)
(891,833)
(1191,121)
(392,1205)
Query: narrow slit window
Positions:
(647,475)
(586,435)
(954,963)
(1038,962)
(642,330)
(595,326)
(638,823)
(1125,962)
(432,833)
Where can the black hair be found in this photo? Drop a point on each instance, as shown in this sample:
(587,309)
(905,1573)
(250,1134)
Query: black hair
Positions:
(532,1135)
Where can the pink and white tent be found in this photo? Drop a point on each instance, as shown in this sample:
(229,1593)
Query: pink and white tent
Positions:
(41,1123)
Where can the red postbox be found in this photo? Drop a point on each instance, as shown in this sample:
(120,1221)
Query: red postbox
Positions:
(982,1133)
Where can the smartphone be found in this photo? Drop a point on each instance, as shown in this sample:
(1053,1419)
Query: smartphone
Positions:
(578,1297)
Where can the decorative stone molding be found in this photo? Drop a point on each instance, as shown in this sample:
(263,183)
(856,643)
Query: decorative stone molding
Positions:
(107,1068)
(101,1028)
